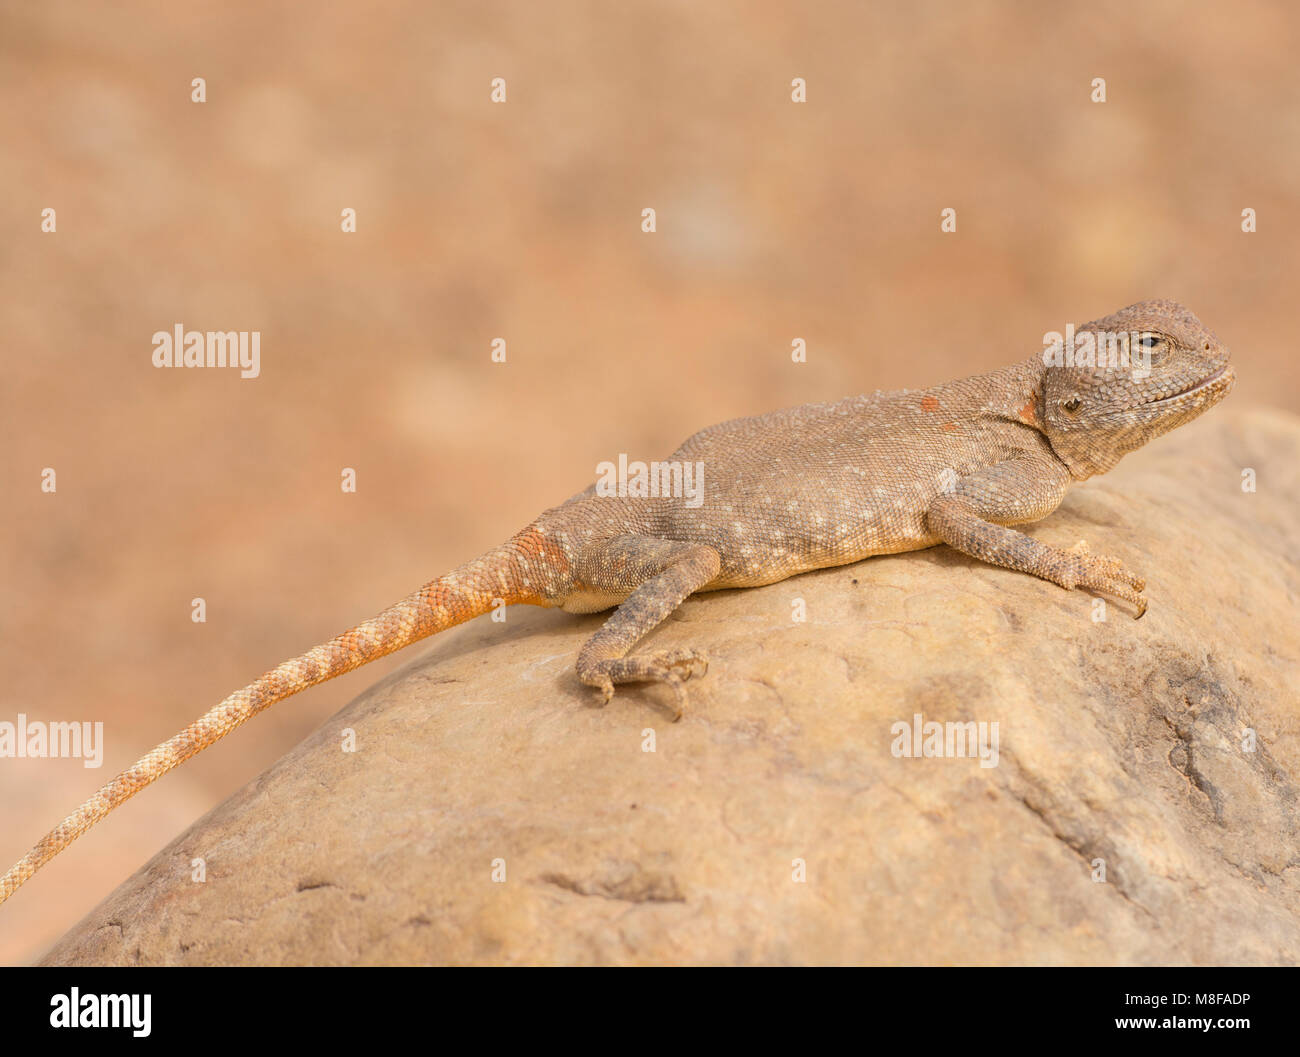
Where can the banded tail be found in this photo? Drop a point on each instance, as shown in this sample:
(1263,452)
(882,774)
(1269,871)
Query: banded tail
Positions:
(440,604)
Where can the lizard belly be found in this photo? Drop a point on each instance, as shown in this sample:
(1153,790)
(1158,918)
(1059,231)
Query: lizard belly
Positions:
(592,600)
(790,535)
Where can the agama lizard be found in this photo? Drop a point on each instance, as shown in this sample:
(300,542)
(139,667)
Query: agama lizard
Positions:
(805,488)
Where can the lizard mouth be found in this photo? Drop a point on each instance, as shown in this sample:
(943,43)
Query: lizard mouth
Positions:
(1222,375)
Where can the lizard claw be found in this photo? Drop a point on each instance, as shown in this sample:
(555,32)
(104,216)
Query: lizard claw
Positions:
(670,667)
(1106,574)
(694,662)
(604,692)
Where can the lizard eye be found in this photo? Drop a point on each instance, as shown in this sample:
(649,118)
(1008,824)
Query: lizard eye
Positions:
(1071,405)
(1152,348)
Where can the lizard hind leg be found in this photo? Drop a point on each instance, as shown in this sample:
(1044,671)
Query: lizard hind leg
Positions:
(654,577)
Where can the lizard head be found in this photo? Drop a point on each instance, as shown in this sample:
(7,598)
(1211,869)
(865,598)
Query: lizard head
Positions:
(1126,379)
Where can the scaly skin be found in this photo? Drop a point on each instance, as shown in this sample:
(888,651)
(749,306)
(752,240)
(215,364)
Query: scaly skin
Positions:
(804,488)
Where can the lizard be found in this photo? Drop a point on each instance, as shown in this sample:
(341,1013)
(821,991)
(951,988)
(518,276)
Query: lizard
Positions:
(786,492)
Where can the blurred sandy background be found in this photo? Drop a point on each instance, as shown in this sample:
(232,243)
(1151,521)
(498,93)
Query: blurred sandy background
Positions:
(522,221)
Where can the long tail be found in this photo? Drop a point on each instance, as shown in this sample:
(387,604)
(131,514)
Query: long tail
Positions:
(472,589)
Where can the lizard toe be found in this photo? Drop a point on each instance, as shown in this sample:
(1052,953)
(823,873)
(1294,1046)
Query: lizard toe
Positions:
(686,663)
(670,667)
(604,691)
(1120,588)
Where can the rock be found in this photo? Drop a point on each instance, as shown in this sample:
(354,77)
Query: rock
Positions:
(1120,749)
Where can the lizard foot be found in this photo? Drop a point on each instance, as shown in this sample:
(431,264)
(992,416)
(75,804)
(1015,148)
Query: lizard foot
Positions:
(1105,574)
(671,667)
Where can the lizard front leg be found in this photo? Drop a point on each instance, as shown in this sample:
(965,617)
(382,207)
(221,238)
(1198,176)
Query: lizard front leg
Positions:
(1017,491)
(656,576)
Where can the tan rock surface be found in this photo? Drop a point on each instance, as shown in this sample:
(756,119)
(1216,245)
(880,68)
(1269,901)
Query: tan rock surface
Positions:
(1119,741)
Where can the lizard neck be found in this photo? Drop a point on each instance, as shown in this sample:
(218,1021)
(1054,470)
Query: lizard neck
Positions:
(1016,393)
(1019,394)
